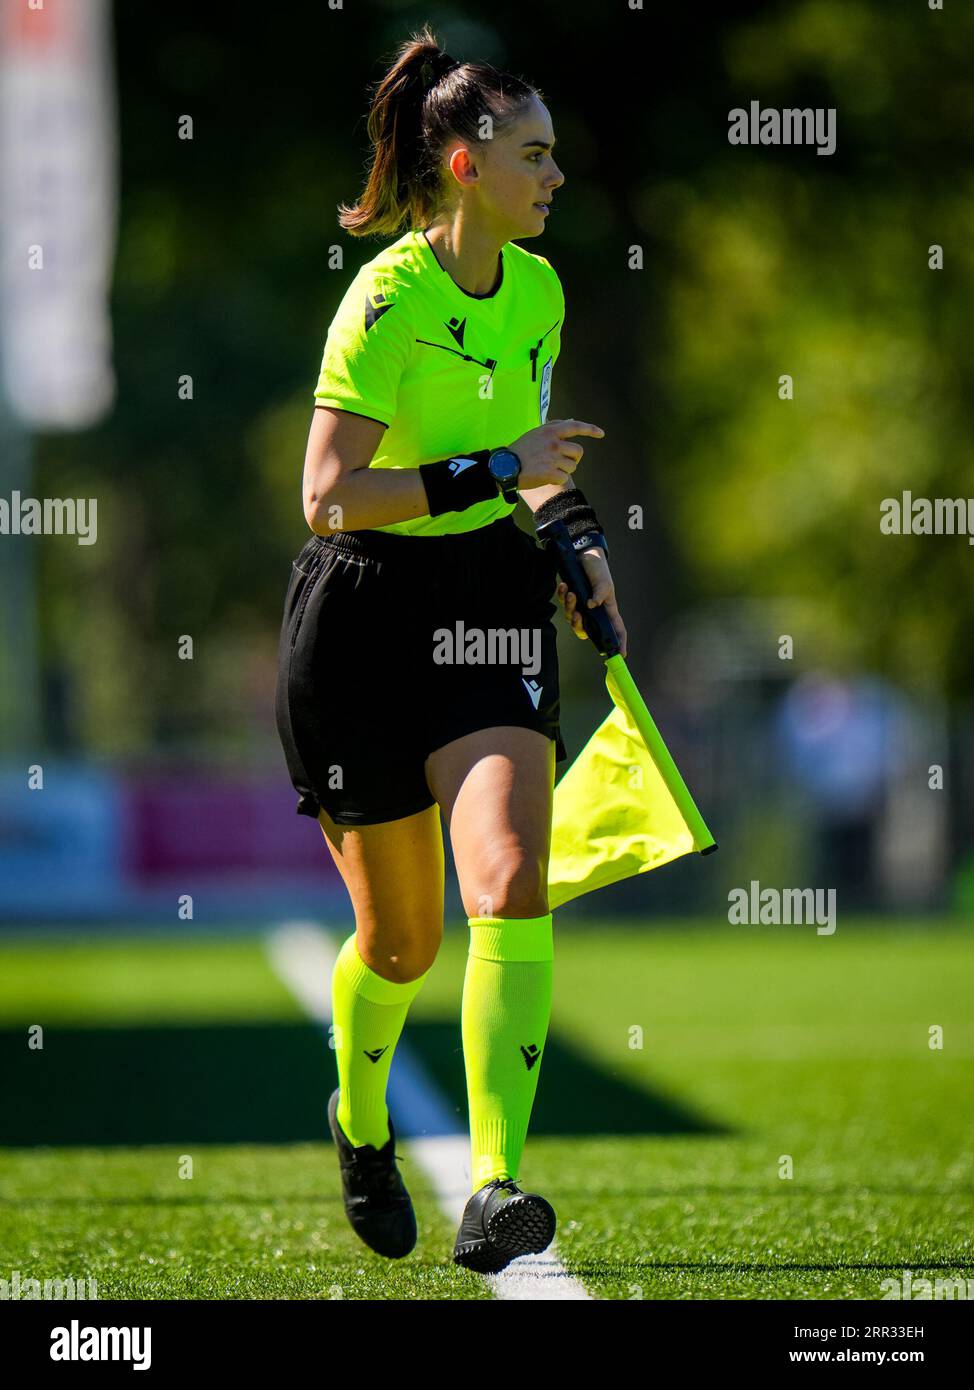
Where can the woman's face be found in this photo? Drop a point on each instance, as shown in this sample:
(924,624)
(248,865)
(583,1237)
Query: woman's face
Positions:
(505,178)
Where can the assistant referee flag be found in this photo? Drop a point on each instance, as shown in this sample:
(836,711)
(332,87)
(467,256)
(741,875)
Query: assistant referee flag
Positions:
(622,807)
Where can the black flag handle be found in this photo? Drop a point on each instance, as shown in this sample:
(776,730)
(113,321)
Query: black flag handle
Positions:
(596,621)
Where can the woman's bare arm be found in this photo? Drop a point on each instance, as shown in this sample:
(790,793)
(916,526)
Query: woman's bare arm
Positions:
(341,492)
(536,495)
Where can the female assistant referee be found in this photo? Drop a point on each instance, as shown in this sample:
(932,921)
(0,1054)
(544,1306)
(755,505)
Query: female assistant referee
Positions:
(418,668)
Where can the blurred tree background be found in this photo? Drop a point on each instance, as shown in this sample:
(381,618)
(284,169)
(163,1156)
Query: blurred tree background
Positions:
(757,261)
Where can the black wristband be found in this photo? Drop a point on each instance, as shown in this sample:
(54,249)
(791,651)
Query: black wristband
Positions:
(571,507)
(454,484)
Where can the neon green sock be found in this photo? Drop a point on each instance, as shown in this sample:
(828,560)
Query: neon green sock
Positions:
(504,1023)
(368,1013)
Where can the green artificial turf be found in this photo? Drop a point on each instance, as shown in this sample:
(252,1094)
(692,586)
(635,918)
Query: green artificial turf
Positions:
(686,1067)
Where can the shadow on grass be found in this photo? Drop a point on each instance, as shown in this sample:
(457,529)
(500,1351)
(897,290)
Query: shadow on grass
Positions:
(599,1268)
(268,1084)
(575,1095)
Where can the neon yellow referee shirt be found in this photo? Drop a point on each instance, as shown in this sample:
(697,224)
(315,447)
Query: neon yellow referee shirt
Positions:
(447,371)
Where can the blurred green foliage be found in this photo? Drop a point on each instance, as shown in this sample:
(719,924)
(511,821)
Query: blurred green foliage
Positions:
(759,261)
(783,262)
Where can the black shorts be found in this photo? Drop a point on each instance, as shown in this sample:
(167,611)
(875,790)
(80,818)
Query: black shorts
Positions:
(374,672)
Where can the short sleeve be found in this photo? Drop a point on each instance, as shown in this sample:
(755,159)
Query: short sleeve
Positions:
(368,346)
(558,304)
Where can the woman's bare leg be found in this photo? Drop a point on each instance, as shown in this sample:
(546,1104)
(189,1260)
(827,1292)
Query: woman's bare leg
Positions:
(394,876)
(495,788)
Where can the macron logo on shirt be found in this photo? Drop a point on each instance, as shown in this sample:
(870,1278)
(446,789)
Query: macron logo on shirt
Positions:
(375,308)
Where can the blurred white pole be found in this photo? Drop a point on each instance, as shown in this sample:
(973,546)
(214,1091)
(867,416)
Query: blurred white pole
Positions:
(58,205)
(914,830)
(19,690)
(58,212)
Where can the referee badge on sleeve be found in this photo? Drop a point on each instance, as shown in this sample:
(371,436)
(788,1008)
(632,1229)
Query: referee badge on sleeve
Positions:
(546,388)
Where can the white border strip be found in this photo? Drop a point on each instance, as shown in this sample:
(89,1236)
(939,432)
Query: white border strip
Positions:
(303,956)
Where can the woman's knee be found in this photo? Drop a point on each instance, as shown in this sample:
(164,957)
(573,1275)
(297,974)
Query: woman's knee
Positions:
(400,951)
(514,885)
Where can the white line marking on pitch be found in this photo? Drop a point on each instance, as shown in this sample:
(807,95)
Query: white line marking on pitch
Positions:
(304,958)
(445,1160)
(303,955)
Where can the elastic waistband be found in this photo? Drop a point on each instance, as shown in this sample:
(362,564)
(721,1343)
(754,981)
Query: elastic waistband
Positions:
(384,545)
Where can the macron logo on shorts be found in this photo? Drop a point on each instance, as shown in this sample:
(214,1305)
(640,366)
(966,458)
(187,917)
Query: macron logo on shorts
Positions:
(458,465)
(534,690)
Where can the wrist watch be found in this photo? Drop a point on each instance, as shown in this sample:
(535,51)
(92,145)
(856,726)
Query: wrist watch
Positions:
(505,468)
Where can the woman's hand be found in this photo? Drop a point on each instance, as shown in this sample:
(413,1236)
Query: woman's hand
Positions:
(547,455)
(596,568)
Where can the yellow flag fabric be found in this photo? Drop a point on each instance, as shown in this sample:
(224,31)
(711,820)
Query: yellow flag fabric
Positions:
(622,807)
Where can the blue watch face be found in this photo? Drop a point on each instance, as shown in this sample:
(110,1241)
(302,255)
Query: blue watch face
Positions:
(504,466)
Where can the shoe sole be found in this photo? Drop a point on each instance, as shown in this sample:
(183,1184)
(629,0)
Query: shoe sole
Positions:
(478,1256)
(523,1225)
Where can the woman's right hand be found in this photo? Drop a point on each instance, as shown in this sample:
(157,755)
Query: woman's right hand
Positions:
(547,457)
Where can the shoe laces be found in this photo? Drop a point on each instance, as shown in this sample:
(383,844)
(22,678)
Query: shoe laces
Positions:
(375,1169)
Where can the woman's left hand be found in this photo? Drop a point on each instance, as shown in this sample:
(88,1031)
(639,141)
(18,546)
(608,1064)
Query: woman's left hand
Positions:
(596,568)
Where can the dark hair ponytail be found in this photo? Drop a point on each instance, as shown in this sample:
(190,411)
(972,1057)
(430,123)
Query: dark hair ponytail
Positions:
(424,99)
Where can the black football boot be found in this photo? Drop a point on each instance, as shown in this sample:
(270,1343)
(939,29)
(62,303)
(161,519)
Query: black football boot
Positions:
(376,1201)
(501,1222)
